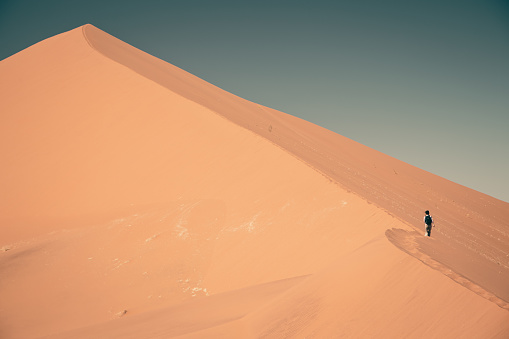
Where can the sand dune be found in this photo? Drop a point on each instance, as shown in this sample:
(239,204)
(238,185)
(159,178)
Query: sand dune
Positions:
(141,201)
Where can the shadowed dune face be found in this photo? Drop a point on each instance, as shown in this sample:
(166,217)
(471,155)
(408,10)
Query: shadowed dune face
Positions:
(133,189)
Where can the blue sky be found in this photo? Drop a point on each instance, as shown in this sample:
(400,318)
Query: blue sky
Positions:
(426,82)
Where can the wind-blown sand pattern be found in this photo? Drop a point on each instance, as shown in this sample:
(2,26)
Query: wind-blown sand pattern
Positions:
(139,201)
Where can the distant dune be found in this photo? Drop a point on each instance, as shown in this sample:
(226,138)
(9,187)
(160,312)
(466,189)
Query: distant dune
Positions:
(139,201)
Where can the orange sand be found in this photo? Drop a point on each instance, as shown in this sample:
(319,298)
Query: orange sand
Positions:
(139,201)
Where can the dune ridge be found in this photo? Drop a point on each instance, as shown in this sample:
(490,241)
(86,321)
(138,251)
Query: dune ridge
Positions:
(136,192)
(471,221)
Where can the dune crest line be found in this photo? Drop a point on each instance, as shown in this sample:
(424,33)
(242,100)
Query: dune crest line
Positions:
(473,221)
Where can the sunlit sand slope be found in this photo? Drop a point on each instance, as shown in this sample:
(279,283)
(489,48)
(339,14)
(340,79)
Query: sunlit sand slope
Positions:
(471,223)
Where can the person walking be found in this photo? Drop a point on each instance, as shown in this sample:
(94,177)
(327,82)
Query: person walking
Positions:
(428,221)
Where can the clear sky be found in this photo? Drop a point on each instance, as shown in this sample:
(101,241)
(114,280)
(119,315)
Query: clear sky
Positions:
(426,82)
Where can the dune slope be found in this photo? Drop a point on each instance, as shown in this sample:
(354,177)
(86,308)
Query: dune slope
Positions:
(141,201)
(471,222)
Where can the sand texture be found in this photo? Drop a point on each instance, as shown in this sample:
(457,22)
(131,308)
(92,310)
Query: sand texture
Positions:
(139,201)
